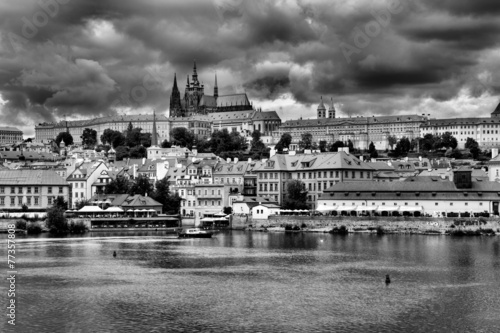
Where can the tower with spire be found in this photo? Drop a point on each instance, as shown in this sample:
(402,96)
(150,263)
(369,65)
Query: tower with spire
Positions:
(216,89)
(331,110)
(175,100)
(321,109)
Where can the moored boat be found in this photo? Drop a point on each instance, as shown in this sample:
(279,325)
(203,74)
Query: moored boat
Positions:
(195,233)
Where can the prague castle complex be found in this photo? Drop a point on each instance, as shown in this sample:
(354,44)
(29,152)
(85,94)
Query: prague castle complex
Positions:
(202,114)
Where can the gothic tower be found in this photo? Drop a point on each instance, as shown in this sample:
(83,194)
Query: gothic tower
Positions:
(331,110)
(194,92)
(175,100)
(321,109)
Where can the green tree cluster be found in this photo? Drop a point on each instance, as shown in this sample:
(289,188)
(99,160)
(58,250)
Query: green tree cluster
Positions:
(296,195)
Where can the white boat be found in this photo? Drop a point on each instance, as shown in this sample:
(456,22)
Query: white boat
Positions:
(195,233)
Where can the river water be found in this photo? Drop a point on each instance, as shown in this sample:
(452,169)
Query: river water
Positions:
(255,282)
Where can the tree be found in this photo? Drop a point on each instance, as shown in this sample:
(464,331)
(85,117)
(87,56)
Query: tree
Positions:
(166,144)
(112,137)
(171,202)
(306,141)
(89,137)
(146,140)
(350,145)
(82,203)
(392,140)
(296,195)
(428,142)
(322,146)
(473,147)
(141,185)
(133,137)
(60,203)
(223,141)
(64,137)
(334,147)
(285,141)
(56,222)
(257,147)
(122,152)
(372,150)
(227,210)
(138,152)
(182,137)
(448,141)
(120,185)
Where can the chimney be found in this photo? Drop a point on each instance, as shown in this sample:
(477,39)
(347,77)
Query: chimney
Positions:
(143,160)
(228,160)
(362,158)
(249,160)
(235,160)
(134,171)
(420,158)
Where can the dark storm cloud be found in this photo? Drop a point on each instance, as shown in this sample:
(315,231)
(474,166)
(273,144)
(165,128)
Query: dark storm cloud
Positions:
(94,57)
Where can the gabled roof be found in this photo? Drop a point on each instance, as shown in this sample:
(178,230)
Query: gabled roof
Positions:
(231,168)
(265,115)
(497,110)
(209,101)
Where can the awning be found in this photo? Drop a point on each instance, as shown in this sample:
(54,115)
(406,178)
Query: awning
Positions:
(90,209)
(387,208)
(361,208)
(411,208)
(114,210)
(220,214)
(346,208)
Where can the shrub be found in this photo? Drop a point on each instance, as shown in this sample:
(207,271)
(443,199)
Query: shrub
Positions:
(342,230)
(296,228)
(34,229)
(303,225)
(288,227)
(77,228)
(21,225)
(380,230)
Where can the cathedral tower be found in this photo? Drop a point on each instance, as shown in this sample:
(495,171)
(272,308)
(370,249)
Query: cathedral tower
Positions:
(321,109)
(175,100)
(331,110)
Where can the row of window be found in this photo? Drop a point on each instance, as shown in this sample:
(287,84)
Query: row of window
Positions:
(397,204)
(29,189)
(20,201)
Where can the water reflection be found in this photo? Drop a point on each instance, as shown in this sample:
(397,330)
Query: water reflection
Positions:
(248,282)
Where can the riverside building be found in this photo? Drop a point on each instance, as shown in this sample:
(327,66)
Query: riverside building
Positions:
(10,135)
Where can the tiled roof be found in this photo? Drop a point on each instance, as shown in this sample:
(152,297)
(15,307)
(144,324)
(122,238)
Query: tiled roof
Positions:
(233,100)
(497,110)
(322,161)
(266,115)
(209,101)
(231,168)
(31,177)
(10,129)
(231,115)
(353,121)
(459,121)
(29,155)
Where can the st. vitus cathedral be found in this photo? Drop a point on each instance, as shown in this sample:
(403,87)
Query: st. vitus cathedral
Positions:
(195,101)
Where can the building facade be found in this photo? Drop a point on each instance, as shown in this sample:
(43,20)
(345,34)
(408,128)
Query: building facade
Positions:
(10,135)
(36,189)
(484,130)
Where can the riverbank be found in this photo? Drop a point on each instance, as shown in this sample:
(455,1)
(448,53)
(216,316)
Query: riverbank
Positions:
(423,226)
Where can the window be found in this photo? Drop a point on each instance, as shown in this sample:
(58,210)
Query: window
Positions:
(480,204)
(2,189)
(49,189)
(213,203)
(435,204)
(451,203)
(466,203)
(20,190)
(36,201)
(28,201)
(2,201)
(361,175)
(353,175)
(19,201)
(346,174)
(218,202)
(218,192)
(12,201)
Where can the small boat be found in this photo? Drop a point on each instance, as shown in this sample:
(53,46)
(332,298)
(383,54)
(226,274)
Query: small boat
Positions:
(195,233)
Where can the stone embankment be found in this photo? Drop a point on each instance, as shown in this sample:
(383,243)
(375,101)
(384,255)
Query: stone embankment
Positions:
(408,225)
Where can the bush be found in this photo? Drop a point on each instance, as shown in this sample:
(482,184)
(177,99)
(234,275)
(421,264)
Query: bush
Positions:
(34,229)
(21,225)
(380,230)
(303,226)
(342,230)
(296,228)
(77,228)
(288,227)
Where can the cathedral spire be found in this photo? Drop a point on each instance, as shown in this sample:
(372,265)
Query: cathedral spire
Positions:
(216,89)
(175,82)
(195,74)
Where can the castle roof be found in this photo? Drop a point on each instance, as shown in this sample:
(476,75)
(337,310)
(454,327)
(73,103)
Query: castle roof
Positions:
(232,100)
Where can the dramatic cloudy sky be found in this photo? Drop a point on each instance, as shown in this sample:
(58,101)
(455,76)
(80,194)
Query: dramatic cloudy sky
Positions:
(85,58)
